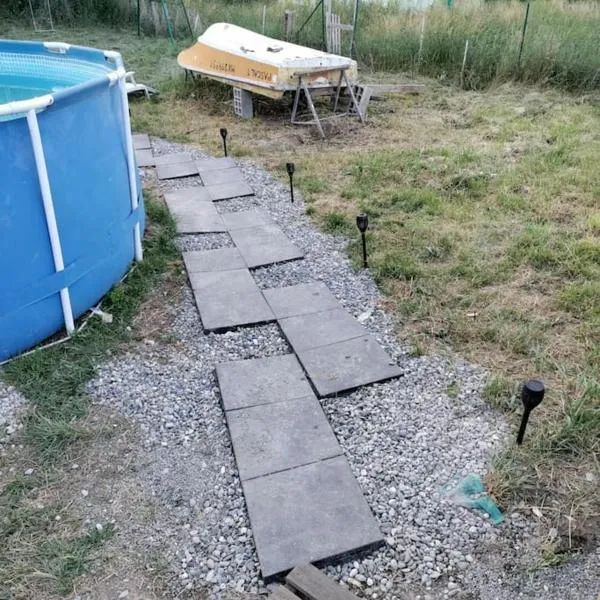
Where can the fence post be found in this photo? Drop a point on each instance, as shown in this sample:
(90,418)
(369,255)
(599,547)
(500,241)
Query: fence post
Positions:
(422,36)
(464,62)
(523,36)
(264,20)
(289,24)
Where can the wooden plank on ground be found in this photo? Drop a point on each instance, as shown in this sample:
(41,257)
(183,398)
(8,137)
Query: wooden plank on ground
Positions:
(396,88)
(313,584)
(280,592)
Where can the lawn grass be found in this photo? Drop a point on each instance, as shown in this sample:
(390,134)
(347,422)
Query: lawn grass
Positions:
(43,546)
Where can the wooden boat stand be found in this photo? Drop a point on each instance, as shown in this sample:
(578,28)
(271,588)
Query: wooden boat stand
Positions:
(353,109)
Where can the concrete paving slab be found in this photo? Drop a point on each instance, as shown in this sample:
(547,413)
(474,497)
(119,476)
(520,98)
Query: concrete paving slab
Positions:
(320,329)
(301,299)
(256,381)
(197,193)
(144,158)
(195,217)
(273,437)
(308,514)
(245,218)
(221,259)
(347,365)
(221,176)
(174,158)
(212,164)
(173,171)
(264,245)
(141,141)
(226,191)
(227,299)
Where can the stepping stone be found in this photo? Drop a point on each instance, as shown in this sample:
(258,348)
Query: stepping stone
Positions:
(174,158)
(144,158)
(320,329)
(173,171)
(245,218)
(273,437)
(256,381)
(141,141)
(226,191)
(227,299)
(221,176)
(308,514)
(347,365)
(195,217)
(301,299)
(221,259)
(212,164)
(265,245)
(197,193)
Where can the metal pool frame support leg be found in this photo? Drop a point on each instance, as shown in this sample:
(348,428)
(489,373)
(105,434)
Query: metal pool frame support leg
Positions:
(119,76)
(59,265)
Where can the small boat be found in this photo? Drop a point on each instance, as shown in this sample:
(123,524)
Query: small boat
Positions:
(262,65)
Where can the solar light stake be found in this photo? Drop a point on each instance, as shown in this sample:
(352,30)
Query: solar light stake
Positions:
(290,171)
(223,133)
(362,222)
(531,395)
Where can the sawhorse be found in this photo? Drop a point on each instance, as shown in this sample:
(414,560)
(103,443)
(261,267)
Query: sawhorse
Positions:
(353,108)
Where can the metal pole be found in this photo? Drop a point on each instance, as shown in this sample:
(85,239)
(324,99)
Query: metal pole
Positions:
(364,249)
(324,25)
(523,426)
(354,24)
(314,10)
(187,18)
(42,172)
(523,35)
(138,17)
(119,75)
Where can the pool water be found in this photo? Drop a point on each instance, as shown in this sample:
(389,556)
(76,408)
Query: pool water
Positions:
(13,89)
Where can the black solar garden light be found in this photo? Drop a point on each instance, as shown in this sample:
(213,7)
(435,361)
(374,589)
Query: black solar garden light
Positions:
(362,222)
(531,395)
(223,133)
(290,171)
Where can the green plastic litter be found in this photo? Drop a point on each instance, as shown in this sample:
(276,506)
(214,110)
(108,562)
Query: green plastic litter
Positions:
(470,493)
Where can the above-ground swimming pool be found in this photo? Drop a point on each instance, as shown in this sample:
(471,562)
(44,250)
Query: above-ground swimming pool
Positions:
(71,210)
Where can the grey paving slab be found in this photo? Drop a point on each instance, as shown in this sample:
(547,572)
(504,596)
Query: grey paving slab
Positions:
(141,141)
(174,158)
(221,259)
(221,176)
(175,170)
(320,329)
(144,158)
(273,437)
(227,299)
(264,245)
(195,217)
(211,164)
(256,381)
(308,514)
(347,365)
(196,192)
(226,191)
(245,218)
(301,299)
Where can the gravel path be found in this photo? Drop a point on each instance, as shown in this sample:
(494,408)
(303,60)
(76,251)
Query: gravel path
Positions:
(405,439)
